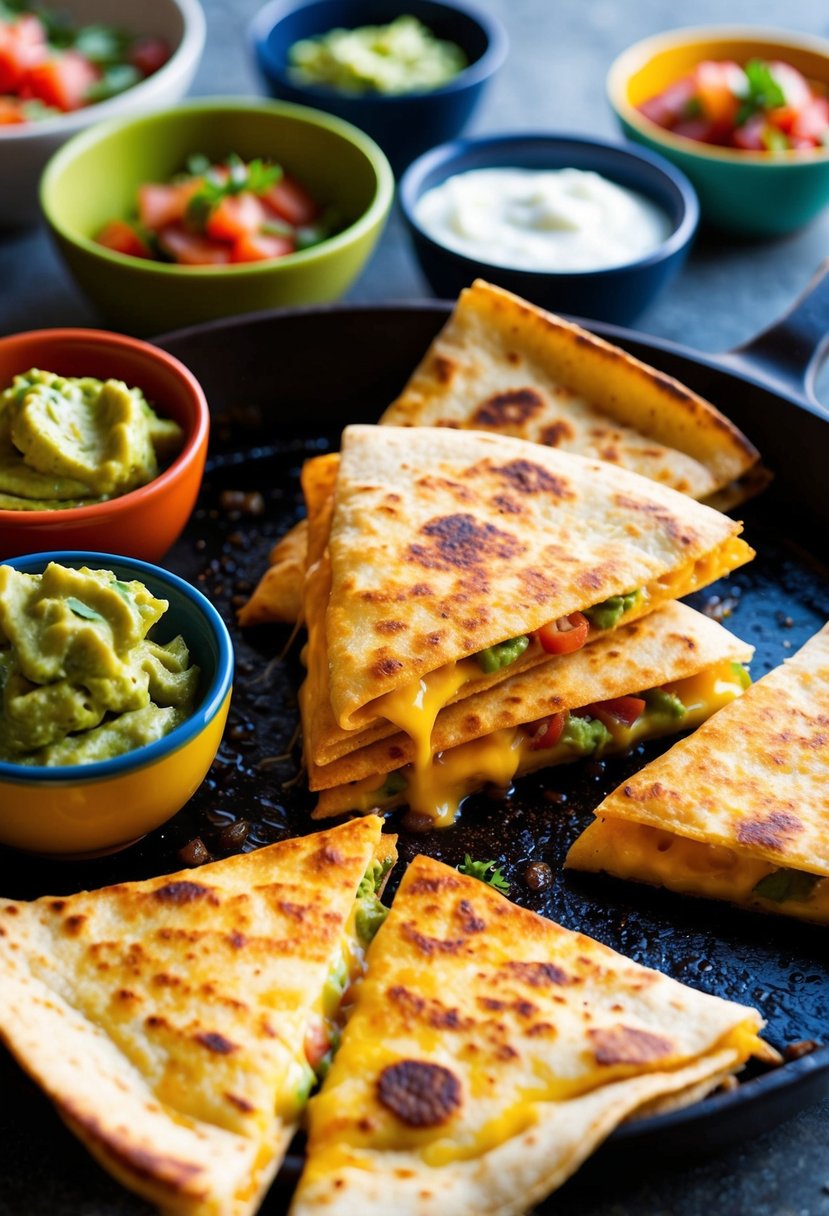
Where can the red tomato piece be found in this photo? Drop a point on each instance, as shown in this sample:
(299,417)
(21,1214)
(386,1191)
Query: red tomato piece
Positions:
(260,247)
(812,122)
(234,216)
(61,80)
(160,204)
(749,135)
(291,202)
(716,85)
(565,635)
(190,249)
(548,732)
(626,710)
(670,105)
(317,1044)
(148,54)
(11,112)
(121,237)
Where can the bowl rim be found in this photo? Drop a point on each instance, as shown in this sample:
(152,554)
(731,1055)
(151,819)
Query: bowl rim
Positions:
(638,54)
(495,52)
(362,225)
(679,236)
(139,757)
(195,442)
(189,50)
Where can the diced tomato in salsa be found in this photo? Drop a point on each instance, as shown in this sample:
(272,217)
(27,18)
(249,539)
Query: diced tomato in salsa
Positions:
(191,249)
(234,216)
(121,237)
(291,202)
(61,80)
(159,204)
(148,54)
(260,247)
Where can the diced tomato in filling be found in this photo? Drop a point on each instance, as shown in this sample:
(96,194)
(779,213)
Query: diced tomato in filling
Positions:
(548,732)
(160,204)
(260,246)
(291,202)
(234,216)
(190,249)
(148,54)
(565,635)
(624,710)
(61,80)
(121,237)
(317,1044)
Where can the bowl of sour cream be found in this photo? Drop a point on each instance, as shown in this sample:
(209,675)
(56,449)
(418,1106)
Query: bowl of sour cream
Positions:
(574,224)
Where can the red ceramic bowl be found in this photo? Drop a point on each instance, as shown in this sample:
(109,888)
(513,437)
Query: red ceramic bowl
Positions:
(145,522)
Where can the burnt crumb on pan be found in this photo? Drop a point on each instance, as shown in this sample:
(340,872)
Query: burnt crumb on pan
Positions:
(418,1093)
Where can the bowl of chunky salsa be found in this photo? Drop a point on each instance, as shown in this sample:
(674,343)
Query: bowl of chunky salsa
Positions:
(744,112)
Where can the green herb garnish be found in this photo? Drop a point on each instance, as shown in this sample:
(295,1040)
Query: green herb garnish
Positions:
(485,871)
(783,885)
(761,91)
(233,177)
(83,610)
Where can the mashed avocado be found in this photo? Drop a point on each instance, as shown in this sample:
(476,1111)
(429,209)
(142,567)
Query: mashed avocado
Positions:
(67,442)
(79,678)
(402,57)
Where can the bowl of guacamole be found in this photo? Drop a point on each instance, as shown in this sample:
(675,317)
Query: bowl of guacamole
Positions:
(103,440)
(410,75)
(115,683)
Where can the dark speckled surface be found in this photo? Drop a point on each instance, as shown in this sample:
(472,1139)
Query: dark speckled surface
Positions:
(728,292)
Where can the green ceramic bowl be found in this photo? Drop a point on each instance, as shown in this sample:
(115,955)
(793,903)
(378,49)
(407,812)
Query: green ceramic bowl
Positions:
(752,193)
(94,178)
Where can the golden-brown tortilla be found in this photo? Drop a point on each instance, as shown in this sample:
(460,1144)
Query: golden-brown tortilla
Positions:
(667,645)
(165,1019)
(502,364)
(445,542)
(745,798)
(490,1051)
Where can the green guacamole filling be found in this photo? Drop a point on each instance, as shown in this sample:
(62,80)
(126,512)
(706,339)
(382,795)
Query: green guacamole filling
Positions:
(370,911)
(608,614)
(783,885)
(585,735)
(503,654)
(663,703)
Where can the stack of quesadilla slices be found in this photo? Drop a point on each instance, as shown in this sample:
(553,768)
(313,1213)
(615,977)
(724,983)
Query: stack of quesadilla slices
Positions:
(490,1051)
(503,365)
(740,810)
(174,1022)
(453,579)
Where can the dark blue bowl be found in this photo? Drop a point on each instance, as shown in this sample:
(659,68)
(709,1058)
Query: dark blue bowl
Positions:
(403,126)
(617,294)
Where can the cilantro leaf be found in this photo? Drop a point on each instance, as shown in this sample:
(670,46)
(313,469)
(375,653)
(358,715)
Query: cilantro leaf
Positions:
(231,178)
(761,91)
(485,871)
(83,610)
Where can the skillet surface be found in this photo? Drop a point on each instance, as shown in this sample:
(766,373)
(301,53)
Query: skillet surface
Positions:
(281,387)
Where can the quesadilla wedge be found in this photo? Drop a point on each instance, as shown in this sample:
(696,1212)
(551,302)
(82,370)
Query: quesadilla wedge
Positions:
(662,674)
(489,1051)
(173,1022)
(738,811)
(501,364)
(447,561)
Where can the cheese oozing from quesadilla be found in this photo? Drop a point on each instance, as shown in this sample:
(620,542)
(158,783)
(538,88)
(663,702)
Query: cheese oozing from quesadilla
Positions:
(168,1020)
(490,1051)
(739,810)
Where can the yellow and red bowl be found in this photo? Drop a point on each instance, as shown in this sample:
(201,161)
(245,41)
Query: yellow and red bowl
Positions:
(78,810)
(145,522)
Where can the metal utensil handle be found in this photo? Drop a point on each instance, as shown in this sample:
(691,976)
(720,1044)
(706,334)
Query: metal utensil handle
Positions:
(791,351)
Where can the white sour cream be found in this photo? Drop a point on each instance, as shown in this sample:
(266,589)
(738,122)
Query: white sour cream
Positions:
(542,219)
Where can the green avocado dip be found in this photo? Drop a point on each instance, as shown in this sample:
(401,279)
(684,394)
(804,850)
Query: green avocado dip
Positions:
(80,680)
(68,442)
(402,57)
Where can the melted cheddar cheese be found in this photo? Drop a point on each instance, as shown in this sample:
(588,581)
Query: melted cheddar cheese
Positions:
(691,867)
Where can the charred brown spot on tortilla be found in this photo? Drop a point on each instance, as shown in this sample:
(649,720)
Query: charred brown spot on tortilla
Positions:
(10,910)
(677,529)
(431,945)
(628,1045)
(217,1043)
(456,490)
(538,585)
(470,923)
(511,408)
(420,589)
(73,925)
(513,357)
(126,996)
(418,1093)
(538,975)
(292,911)
(237,940)
(506,505)
(443,369)
(395,752)
(610,454)
(426,885)
(430,1010)
(471,723)
(773,831)
(57,905)
(178,1177)
(655,791)
(386,627)
(461,542)
(183,892)
(327,856)
(526,477)
(385,666)
(164,980)
(553,434)
(241,1104)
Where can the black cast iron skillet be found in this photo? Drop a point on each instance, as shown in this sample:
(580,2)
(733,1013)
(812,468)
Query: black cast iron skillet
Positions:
(281,387)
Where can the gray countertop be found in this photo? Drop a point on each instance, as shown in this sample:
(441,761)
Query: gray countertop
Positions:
(729,290)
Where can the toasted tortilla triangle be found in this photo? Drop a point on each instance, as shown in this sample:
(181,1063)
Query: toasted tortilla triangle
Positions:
(740,809)
(673,646)
(444,543)
(490,1051)
(166,1019)
(503,364)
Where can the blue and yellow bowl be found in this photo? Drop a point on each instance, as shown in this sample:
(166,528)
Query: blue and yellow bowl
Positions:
(82,809)
(749,193)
